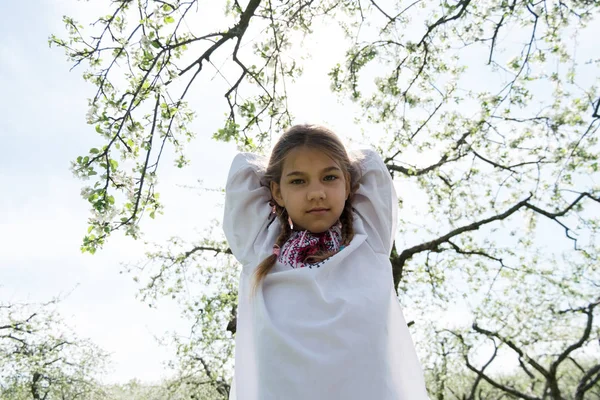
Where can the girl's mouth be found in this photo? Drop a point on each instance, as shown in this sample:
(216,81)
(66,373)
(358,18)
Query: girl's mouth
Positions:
(318,211)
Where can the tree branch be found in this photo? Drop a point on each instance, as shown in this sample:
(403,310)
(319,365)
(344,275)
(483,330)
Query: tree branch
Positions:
(434,244)
(554,216)
(418,172)
(515,348)
(589,311)
(381,11)
(588,380)
(237,31)
(444,19)
(509,167)
(482,375)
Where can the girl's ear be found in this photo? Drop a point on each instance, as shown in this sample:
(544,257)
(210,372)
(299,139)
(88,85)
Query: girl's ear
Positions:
(276,193)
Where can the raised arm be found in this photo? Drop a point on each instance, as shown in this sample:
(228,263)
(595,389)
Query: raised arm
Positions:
(246,207)
(376,202)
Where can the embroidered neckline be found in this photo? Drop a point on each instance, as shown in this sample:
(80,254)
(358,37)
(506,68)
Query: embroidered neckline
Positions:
(303,244)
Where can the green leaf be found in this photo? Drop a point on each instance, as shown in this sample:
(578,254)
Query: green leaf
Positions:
(155,43)
(169,19)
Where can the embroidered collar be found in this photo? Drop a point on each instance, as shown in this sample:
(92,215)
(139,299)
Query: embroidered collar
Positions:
(303,244)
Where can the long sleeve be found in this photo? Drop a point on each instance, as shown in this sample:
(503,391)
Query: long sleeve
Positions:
(376,202)
(246,207)
(333,332)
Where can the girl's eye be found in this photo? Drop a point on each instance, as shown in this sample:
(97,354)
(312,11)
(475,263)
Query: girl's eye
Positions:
(330,178)
(297,181)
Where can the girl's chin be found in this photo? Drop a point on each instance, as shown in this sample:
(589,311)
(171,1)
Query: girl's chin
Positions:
(315,223)
(318,228)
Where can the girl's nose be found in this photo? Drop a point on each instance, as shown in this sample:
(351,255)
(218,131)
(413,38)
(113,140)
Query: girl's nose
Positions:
(316,194)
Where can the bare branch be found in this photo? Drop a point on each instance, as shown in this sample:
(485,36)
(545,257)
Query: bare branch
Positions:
(216,250)
(482,375)
(509,167)
(588,380)
(434,244)
(589,311)
(554,216)
(462,5)
(236,32)
(381,11)
(418,172)
(515,348)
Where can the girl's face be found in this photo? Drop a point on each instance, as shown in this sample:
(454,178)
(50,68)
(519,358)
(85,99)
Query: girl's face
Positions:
(313,189)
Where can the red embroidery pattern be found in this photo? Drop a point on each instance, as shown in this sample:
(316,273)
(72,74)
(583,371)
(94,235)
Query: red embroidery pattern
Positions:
(303,244)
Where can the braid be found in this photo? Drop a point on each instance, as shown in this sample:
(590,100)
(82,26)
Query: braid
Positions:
(286,230)
(347,217)
(264,267)
(346,220)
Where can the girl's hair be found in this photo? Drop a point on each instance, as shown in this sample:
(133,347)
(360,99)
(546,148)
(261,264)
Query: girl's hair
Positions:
(320,138)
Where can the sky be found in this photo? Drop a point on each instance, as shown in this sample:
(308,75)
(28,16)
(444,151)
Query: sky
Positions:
(43,218)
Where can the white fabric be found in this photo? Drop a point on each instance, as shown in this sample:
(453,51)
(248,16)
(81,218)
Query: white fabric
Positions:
(336,332)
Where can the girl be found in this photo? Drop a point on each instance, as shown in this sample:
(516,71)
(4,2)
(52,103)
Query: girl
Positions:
(318,317)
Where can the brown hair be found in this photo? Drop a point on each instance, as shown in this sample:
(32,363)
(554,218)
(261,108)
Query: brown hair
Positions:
(321,138)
